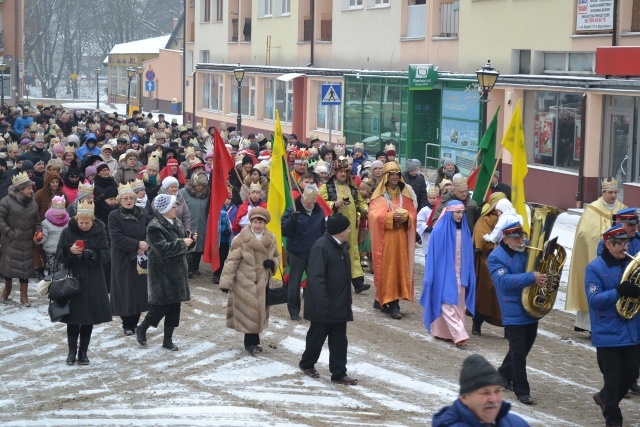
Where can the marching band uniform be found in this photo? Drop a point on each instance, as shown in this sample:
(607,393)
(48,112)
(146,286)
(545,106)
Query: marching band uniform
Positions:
(617,340)
(629,219)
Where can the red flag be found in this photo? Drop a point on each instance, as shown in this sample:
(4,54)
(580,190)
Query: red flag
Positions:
(222,164)
(473,177)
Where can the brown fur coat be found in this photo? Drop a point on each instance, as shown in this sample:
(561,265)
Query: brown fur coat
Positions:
(247,280)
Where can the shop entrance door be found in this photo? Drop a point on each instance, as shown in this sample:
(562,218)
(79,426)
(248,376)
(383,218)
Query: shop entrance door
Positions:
(618,146)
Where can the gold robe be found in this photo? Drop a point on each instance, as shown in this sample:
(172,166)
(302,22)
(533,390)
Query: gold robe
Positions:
(595,220)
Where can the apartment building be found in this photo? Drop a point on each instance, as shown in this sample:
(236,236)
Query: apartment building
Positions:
(12,49)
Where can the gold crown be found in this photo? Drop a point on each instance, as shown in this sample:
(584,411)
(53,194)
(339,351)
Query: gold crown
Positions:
(358,145)
(82,125)
(255,187)
(39,136)
(69,149)
(154,162)
(459,181)
(182,128)
(58,202)
(389,147)
(609,184)
(341,140)
(13,146)
(189,150)
(85,207)
(20,178)
(125,188)
(137,184)
(86,189)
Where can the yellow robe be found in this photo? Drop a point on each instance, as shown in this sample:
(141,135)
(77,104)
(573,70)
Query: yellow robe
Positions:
(595,220)
(393,250)
(351,212)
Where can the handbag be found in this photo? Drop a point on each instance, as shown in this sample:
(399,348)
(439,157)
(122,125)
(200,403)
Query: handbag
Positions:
(63,284)
(276,296)
(58,310)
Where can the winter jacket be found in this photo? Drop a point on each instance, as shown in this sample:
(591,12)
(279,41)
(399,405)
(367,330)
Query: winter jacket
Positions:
(459,415)
(22,123)
(128,286)
(182,213)
(198,204)
(40,155)
(302,230)
(19,221)
(507,271)
(246,279)
(43,197)
(419,185)
(167,280)
(442,176)
(51,236)
(327,297)
(125,174)
(608,328)
(91,306)
(85,151)
(471,208)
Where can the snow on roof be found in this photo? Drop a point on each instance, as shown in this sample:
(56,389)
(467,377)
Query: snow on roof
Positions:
(152,45)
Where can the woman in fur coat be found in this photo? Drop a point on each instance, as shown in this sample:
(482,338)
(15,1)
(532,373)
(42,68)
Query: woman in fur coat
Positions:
(252,260)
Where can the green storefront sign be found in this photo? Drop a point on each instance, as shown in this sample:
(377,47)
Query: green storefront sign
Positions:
(422,76)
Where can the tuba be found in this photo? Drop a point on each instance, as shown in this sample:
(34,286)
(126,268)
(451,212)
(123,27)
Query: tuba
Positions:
(628,307)
(547,258)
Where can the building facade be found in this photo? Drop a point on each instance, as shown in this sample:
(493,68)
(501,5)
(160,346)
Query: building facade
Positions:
(12,49)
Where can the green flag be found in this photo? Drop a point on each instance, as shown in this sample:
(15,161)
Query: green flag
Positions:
(487,149)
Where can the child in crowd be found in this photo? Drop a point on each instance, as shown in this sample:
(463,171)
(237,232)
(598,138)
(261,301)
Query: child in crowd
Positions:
(364,240)
(508,215)
(56,220)
(425,218)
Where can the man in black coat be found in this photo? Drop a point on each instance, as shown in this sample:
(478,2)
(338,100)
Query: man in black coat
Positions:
(416,180)
(327,301)
(499,187)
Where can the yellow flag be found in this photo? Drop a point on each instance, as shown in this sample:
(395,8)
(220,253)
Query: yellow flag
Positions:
(513,141)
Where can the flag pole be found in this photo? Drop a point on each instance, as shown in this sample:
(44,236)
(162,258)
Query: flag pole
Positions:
(495,166)
(286,166)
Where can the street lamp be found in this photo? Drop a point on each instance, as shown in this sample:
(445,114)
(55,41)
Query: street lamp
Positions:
(238,73)
(97,71)
(3,68)
(487,77)
(131,72)
(140,70)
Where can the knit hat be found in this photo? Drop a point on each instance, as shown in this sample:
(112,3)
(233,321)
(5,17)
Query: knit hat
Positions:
(321,167)
(138,185)
(247,159)
(476,373)
(99,166)
(163,203)
(447,161)
(169,181)
(412,164)
(503,205)
(58,149)
(496,174)
(260,213)
(90,171)
(109,193)
(337,223)
(376,164)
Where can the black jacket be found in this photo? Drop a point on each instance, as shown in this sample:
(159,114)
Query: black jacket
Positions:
(302,230)
(419,185)
(327,297)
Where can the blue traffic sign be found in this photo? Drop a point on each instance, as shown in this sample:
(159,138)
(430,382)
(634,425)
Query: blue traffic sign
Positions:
(332,94)
(150,75)
(149,85)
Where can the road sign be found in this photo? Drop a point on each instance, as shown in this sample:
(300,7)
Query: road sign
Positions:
(150,75)
(149,85)
(332,94)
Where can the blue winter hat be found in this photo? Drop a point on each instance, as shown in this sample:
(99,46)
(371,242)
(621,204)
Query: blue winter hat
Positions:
(91,136)
(513,230)
(615,232)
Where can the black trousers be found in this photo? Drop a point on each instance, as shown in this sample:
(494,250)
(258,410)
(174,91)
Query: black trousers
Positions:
(619,367)
(514,366)
(316,336)
(170,312)
(223,250)
(193,261)
(297,267)
(130,322)
(251,339)
(79,330)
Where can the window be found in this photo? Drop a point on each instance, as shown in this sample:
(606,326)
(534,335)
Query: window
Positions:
(248,101)
(219,9)
(282,7)
(113,79)
(205,10)
(328,117)
(264,8)
(123,81)
(569,62)
(189,66)
(204,56)
(556,129)
(351,4)
(449,15)
(212,89)
(377,3)
(278,95)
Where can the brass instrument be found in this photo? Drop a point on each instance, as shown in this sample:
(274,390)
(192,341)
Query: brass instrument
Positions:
(547,258)
(628,307)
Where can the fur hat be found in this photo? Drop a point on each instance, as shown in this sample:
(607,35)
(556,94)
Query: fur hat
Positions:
(260,213)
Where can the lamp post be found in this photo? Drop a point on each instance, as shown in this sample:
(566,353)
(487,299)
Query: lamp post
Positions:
(487,77)
(238,73)
(140,70)
(131,72)
(97,71)
(3,68)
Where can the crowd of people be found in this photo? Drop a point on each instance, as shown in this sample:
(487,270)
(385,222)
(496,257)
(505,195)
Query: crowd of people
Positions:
(124,203)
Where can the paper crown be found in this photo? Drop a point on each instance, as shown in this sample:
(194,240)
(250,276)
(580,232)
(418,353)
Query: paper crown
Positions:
(138,185)
(302,156)
(182,128)
(459,181)
(125,189)
(358,146)
(314,138)
(86,189)
(39,136)
(433,191)
(69,149)
(153,162)
(85,207)
(343,163)
(82,125)
(20,178)
(310,191)
(58,202)
(160,135)
(615,232)
(255,187)
(341,140)
(609,184)
(390,148)
(195,163)
(189,150)
(13,147)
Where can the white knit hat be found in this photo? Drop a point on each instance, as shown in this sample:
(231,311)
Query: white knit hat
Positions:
(163,203)
(503,205)
(169,181)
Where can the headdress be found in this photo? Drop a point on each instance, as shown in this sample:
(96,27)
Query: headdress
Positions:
(13,146)
(255,187)
(138,185)
(459,181)
(615,232)
(58,202)
(86,189)
(390,149)
(125,188)
(513,230)
(609,184)
(20,178)
(302,156)
(85,207)
(358,146)
(343,163)
(628,215)
(310,192)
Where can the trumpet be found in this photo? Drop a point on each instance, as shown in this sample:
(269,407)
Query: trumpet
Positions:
(628,307)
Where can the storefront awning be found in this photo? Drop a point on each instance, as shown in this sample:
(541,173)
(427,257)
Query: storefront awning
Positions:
(289,76)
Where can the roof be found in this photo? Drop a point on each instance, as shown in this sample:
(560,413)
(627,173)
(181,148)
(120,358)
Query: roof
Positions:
(152,45)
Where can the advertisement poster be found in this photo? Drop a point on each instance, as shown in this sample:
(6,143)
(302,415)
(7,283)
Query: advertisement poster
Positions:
(459,129)
(545,136)
(594,15)
(577,141)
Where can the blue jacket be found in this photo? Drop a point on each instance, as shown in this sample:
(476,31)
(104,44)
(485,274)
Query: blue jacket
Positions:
(634,246)
(85,150)
(459,415)
(22,123)
(302,233)
(507,271)
(608,328)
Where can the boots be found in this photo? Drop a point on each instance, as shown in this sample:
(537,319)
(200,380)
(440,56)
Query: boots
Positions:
(7,290)
(24,299)
(40,272)
(359,285)
(72,340)
(141,333)
(168,335)
(82,352)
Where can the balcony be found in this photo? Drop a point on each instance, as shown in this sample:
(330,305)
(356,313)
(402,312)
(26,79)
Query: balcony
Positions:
(449,19)
(416,21)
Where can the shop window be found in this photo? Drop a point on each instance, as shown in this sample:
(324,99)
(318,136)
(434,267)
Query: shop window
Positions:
(569,62)
(328,117)
(248,94)
(212,85)
(278,95)
(556,129)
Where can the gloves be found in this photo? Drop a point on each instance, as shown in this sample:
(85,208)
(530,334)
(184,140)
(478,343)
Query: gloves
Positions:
(429,229)
(269,264)
(487,238)
(294,216)
(226,291)
(89,255)
(626,289)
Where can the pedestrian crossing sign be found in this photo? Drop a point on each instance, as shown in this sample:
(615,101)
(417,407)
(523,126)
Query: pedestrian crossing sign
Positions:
(331,94)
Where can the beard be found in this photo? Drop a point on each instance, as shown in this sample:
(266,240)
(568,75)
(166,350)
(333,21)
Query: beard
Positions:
(520,247)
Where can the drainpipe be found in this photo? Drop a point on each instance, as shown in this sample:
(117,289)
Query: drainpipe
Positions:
(583,131)
(185,32)
(313,32)
(193,119)
(614,30)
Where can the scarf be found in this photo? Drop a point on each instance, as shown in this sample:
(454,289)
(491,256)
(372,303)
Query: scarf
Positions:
(59,222)
(142,203)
